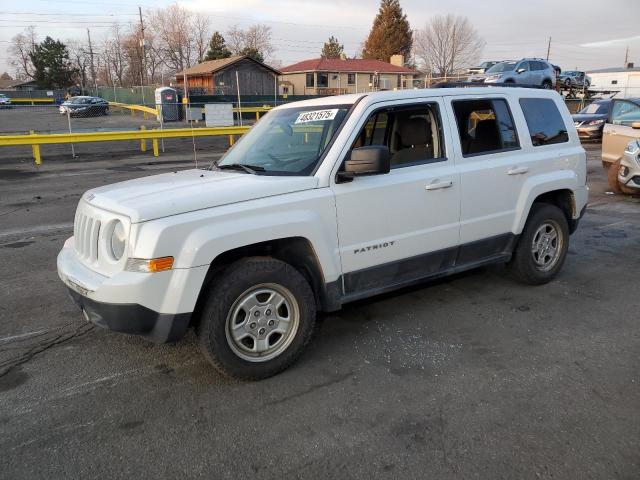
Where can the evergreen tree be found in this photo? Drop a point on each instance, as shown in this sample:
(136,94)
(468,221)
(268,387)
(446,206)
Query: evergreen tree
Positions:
(253,52)
(332,48)
(390,33)
(51,63)
(217,48)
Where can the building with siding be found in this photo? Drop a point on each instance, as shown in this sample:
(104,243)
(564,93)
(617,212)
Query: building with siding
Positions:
(334,76)
(218,77)
(625,81)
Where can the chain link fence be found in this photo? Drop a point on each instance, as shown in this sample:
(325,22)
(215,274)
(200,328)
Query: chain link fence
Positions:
(106,114)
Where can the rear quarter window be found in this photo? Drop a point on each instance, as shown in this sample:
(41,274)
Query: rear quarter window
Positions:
(546,125)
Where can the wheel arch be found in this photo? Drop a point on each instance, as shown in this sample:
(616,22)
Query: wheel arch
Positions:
(296,251)
(559,192)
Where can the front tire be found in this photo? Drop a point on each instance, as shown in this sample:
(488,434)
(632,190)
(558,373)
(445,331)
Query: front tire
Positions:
(612,178)
(258,317)
(542,247)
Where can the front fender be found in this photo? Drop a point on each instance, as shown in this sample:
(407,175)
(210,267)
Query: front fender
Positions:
(197,238)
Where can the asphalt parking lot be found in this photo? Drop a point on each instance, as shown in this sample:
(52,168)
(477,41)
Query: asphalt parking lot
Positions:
(474,376)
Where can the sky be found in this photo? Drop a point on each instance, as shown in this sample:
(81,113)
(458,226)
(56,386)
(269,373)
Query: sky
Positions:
(585,34)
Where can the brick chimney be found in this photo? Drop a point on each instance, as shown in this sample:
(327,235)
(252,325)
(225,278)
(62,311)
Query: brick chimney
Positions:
(397,60)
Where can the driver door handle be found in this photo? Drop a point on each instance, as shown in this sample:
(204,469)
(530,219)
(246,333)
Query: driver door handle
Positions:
(517,170)
(438,185)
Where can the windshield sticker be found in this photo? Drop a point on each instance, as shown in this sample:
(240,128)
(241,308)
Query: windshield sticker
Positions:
(316,116)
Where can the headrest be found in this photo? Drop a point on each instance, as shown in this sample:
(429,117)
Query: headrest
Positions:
(414,131)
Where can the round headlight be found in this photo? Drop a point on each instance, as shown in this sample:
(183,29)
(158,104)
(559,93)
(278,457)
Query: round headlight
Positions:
(118,240)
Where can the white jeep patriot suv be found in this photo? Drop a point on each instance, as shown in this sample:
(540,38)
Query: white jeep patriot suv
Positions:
(324,202)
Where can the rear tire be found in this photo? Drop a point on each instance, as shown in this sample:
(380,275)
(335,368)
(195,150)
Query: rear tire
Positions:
(542,247)
(257,319)
(547,85)
(612,178)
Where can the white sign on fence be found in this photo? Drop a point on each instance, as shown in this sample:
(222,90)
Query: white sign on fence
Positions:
(218,114)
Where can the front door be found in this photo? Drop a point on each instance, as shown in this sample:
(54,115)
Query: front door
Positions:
(402,226)
(619,133)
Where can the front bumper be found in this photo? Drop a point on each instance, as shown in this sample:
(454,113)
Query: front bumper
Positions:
(133,319)
(157,306)
(590,133)
(629,173)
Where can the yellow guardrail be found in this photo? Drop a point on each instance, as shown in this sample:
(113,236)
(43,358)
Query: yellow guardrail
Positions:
(35,140)
(134,108)
(32,101)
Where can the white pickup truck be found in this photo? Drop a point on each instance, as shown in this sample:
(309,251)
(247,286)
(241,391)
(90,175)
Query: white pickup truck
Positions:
(324,202)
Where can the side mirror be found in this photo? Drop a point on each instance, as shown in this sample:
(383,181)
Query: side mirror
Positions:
(521,70)
(370,160)
(635,125)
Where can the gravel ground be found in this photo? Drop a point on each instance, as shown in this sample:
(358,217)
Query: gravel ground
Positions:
(474,376)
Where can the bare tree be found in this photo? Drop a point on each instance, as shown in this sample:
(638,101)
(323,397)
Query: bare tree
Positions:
(172,27)
(254,40)
(201,35)
(80,61)
(20,48)
(114,56)
(448,44)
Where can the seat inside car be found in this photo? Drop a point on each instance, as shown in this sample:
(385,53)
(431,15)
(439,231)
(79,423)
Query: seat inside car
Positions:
(485,138)
(413,140)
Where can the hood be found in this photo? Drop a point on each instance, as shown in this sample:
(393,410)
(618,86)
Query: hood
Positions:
(168,194)
(587,117)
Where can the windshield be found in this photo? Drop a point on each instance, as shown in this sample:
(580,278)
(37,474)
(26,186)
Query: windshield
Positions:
(571,73)
(288,141)
(80,100)
(595,108)
(502,67)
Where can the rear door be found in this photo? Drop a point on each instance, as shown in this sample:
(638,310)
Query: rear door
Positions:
(492,171)
(617,134)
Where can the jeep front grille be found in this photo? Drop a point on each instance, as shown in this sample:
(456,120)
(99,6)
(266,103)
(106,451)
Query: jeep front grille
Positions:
(86,231)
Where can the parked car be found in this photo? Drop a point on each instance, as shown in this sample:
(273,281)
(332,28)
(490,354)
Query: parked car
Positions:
(483,67)
(629,171)
(5,102)
(622,129)
(528,71)
(574,79)
(324,202)
(590,121)
(84,106)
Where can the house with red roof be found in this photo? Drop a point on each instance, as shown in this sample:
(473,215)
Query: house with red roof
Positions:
(335,76)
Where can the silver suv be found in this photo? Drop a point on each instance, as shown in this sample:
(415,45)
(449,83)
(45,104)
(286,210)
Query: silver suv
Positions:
(528,71)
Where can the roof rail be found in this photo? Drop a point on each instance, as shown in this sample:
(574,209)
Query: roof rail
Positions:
(478,84)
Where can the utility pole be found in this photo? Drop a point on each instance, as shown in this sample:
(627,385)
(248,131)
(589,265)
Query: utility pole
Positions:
(142,48)
(626,57)
(548,48)
(93,68)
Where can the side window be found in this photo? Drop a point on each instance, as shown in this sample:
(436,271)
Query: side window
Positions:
(545,123)
(413,134)
(485,126)
(524,65)
(621,108)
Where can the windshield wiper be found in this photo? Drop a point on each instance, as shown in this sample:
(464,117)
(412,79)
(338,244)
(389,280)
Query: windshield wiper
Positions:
(252,169)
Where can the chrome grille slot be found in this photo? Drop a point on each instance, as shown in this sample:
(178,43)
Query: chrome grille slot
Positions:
(86,231)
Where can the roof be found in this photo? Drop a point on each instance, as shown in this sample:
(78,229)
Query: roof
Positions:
(615,70)
(212,66)
(392,95)
(359,65)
